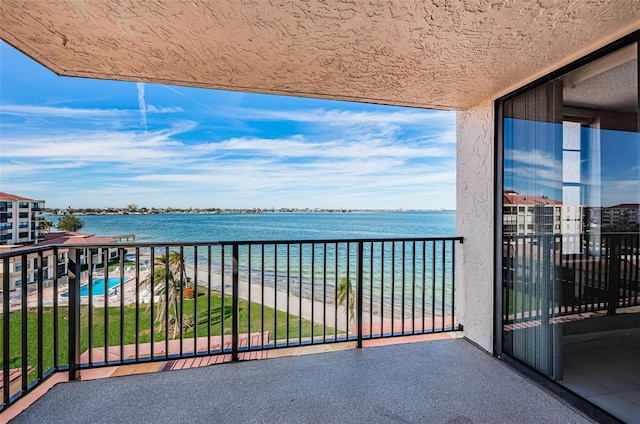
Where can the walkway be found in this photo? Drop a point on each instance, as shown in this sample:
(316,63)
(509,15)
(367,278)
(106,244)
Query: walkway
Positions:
(444,381)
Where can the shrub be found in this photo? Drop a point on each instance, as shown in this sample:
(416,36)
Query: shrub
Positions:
(189,293)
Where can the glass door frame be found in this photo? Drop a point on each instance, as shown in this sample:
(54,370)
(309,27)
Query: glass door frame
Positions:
(567,395)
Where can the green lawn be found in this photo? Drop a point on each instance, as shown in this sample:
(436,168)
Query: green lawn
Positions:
(275,323)
(519,302)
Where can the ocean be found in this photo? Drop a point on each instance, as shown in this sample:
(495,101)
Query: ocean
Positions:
(300,264)
(272,226)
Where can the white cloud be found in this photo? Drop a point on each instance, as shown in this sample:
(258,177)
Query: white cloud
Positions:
(615,192)
(142,105)
(360,160)
(534,158)
(347,118)
(59,112)
(297,146)
(155,109)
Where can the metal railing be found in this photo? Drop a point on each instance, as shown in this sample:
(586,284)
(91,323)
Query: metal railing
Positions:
(570,274)
(229,300)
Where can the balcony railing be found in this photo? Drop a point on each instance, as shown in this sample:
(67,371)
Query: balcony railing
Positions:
(571,274)
(225,300)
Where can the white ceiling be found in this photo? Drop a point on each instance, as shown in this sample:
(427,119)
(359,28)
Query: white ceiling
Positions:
(615,89)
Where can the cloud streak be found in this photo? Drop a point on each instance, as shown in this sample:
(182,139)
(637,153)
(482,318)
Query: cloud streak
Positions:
(348,118)
(142,105)
(58,112)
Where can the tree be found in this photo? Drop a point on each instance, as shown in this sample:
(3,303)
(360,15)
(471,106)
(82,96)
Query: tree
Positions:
(345,297)
(176,263)
(164,273)
(70,223)
(44,226)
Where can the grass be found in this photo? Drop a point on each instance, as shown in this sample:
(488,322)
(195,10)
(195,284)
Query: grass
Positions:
(520,302)
(220,322)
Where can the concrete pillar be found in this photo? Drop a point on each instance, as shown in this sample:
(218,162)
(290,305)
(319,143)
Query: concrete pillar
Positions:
(474,222)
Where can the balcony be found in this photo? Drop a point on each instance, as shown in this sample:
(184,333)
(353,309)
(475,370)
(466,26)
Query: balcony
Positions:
(177,306)
(227,301)
(436,381)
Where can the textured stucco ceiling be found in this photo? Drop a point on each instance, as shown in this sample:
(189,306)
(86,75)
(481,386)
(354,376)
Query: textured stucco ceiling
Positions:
(443,54)
(614,89)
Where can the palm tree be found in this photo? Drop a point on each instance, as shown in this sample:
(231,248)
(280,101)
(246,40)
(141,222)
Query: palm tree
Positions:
(164,273)
(44,226)
(177,265)
(345,297)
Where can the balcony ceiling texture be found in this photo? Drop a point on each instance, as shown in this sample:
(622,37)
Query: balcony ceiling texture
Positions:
(440,54)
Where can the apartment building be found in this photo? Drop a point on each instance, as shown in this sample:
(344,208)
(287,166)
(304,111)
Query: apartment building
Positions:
(19,219)
(626,213)
(525,214)
(531,214)
(55,267)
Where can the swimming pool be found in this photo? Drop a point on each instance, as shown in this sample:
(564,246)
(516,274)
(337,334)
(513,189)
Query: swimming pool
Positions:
(98,286)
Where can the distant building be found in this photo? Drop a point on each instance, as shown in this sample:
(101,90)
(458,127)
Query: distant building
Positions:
(524,214)
(51,267)
(623,214)
(536,215)
(19,219)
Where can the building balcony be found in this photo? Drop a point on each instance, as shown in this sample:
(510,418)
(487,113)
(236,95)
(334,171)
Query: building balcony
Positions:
(167,302)
(236,301)
(380,314)
(435,381)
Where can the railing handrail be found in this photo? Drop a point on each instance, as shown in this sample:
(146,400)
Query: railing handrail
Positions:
(609,233)
(598,274)
(37,247)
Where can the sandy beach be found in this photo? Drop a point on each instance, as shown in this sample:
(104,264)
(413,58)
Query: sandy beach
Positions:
(321,310)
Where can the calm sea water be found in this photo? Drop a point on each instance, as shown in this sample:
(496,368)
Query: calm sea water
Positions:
(303,265)
(273,226)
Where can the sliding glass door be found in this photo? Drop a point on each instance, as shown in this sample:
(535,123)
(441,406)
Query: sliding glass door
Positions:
(570,251)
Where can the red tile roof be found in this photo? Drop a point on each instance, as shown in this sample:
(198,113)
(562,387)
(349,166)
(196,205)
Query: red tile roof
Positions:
(70,237)
(514,198)
(7,196)
(624,206)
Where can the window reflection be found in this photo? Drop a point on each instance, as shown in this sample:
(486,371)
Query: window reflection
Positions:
(571,251)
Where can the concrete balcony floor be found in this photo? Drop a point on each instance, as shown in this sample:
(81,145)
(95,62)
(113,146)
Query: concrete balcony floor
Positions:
(442,381)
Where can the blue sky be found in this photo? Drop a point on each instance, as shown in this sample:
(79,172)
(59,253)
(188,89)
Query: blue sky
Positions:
(607,170)
(91,143)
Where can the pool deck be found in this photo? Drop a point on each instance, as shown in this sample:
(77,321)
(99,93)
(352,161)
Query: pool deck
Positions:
(98,300)
(443,381)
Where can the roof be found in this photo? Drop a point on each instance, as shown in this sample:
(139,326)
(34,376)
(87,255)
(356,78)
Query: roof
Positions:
(426,53)
(515,198)
(624,206)
(8,196)
(69,237)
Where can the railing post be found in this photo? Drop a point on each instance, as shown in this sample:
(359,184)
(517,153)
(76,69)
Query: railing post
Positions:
(236,312)
(74,274)
(359,292)
(614,272)
(6,331)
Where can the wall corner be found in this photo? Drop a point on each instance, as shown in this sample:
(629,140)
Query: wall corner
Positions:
(475,222)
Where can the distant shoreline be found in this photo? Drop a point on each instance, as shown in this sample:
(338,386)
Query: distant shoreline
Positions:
(196,211)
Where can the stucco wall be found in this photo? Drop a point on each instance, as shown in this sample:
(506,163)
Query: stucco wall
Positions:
(475,223)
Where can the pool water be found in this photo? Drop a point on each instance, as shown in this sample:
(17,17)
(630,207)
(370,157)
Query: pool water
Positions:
(98,286)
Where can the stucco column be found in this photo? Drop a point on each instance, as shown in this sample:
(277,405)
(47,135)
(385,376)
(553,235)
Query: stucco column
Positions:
(474,222)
